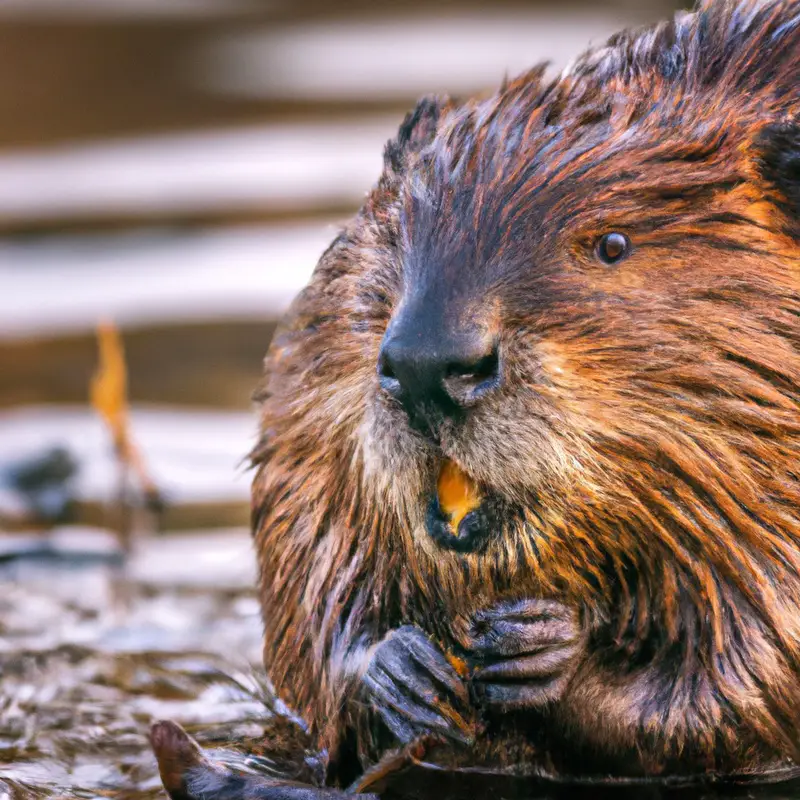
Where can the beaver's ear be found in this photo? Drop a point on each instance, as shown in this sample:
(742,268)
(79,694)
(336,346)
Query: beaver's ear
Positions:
(417,130)
(778,159)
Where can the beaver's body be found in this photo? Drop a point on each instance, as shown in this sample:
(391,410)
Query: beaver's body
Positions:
(629,405)
(586,295)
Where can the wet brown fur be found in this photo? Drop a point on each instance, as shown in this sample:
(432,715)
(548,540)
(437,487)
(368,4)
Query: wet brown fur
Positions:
(649,419)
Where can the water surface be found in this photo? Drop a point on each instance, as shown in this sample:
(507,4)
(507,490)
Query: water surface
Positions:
(91,653)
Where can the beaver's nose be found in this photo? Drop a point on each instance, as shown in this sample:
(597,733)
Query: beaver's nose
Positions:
(438,373)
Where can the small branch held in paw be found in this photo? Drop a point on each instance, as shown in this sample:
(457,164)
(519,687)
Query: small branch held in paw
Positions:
(395,761)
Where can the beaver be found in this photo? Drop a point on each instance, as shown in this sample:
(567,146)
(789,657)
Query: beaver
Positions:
(581,294)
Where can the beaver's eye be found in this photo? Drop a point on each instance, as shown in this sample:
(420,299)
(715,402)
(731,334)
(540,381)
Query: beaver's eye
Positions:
(613,247)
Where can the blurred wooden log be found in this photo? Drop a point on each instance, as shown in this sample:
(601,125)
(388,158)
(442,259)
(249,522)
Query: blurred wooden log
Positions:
(181,516)
(211,364)
(71,76)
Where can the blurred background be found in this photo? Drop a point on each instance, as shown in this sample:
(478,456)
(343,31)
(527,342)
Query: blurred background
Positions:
(176,167)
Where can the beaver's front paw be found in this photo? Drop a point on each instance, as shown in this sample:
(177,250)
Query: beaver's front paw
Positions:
(524,653)
(416,690)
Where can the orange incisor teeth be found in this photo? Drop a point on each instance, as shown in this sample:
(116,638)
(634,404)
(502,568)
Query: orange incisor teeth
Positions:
(458,494)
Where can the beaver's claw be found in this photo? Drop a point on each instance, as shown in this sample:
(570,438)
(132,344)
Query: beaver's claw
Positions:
(415,689)
(524,652)
(188,775)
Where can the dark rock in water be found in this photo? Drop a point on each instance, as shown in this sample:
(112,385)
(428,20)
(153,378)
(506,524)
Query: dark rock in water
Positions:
(45,484)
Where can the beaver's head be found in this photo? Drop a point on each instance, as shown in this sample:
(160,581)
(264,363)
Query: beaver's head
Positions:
(585,294)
